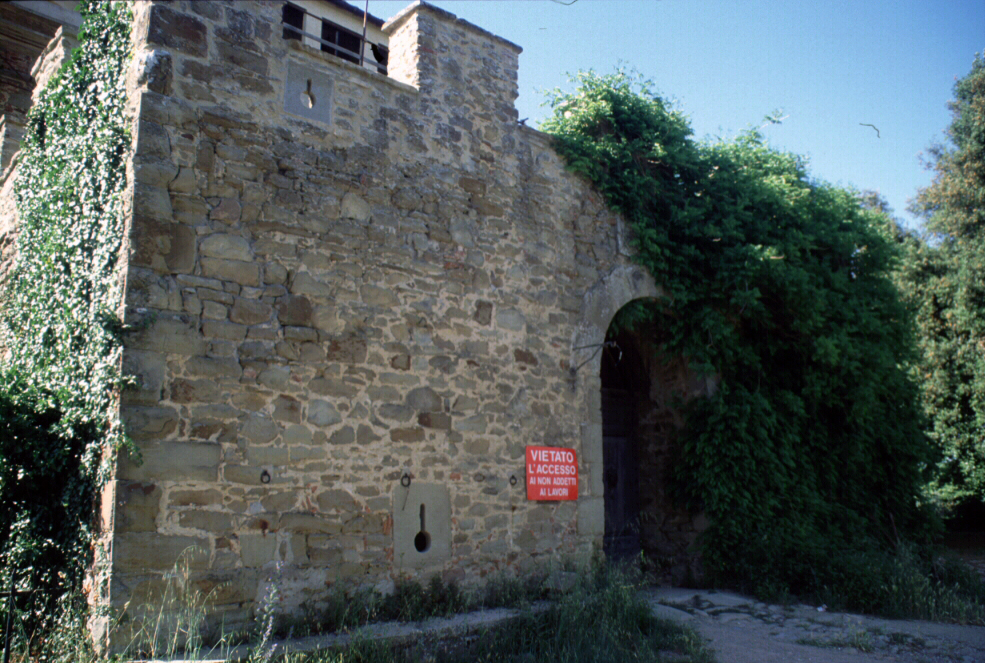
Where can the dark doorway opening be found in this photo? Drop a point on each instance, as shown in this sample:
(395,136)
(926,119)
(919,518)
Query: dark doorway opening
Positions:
(623,377)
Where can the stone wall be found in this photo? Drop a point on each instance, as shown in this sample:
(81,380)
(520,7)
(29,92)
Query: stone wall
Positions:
(355,301)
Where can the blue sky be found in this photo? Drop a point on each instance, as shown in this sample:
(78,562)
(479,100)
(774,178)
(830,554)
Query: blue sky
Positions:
(828,65)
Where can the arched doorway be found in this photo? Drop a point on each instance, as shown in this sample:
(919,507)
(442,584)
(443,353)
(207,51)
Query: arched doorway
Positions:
(623,377)
(638,399)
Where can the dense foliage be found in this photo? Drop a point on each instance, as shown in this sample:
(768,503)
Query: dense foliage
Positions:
(780,286)
(944,275)
(59,381)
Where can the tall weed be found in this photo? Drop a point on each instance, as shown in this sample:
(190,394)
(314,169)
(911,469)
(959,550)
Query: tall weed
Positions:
(910,583)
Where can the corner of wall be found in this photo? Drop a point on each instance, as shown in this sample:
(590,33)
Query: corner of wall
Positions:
(433,50)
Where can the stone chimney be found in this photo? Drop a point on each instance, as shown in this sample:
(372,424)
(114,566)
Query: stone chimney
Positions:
(453,61)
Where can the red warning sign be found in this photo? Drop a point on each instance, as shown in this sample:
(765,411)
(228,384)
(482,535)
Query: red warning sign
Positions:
(552,473)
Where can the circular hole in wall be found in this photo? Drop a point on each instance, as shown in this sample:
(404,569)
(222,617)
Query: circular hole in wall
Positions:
(422,542)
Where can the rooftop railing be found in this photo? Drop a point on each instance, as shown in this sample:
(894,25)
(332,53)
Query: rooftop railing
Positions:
(334,39)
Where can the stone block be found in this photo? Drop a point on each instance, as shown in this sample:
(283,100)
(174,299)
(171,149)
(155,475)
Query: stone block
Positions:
(257,549)
(259,428)
(279,501)
(181,32)
(137,506)
(381,297)
(407,435)
(305,523)
(464,404)
(474,424)
(193,391)
(170,335)
(591,443)
(227,211)
(307,336)
(591,516)
(305,284)
(522,356)
(337,501)
(141,552)
(355,207)
(213,522)
(214,367)
(161,245)
(343,436)
(287,409)
(178,498)
(268,456)
(424,399)
(334,387)
(250,311)
(148,422)
(229,331)
(242,57)
(326,318)
(152,202)
(228,247)
(244,273)
(184,181)
(275,377)
(308,92)
(511,319)
(294,310)
(323,413)
(154,172)
(296,435)
(243,474)
(153,142)
(147,370)
(173,461)
(438,420)
(351,350)
(366,435)
(421,526)
(363,524)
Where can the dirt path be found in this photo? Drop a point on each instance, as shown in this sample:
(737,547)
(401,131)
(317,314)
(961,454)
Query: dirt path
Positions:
(741,630)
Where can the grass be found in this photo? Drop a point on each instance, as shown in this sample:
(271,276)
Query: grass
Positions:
(410,602)
(906,584)
(906,640)
(601,620)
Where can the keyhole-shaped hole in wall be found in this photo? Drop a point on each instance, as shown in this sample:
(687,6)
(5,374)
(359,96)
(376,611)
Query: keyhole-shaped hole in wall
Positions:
(307,98)
(422,542)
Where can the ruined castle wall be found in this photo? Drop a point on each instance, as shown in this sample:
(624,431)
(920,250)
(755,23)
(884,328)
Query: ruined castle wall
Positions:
(339,281)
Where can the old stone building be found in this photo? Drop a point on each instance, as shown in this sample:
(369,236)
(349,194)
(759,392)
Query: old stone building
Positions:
(362,291)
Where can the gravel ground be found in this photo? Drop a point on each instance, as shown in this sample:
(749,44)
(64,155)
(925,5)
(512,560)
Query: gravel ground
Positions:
(741,630)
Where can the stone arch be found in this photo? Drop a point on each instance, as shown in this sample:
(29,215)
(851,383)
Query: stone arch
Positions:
(599,305)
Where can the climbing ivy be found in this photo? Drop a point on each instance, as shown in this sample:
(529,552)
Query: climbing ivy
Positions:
(59,322)
(778,285)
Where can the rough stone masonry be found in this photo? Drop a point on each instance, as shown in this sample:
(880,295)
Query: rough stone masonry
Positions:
(358,299)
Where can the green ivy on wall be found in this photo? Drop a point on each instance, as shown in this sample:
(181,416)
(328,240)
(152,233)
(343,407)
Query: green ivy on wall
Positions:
(779,285)
(59,322)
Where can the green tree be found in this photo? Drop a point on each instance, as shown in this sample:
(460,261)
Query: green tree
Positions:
(781,286)
(945,278)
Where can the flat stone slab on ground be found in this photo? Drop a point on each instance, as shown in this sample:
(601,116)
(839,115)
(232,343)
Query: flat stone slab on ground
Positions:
(742,630)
